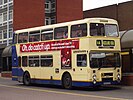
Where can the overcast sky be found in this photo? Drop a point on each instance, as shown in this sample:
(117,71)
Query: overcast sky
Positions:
(91,4)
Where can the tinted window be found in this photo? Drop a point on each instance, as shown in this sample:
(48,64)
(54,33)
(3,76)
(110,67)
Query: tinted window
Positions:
(61,32)
(47,34)
(34,36)
(47,61)
(14,38)
(19,58)
(111,30)
(97,29)
(104,60)
(82,60)
(23,37)
(24,61)
(79,30)
(33,61)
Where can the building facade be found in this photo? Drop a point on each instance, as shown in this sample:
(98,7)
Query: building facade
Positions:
(6,30)
(20,14)
(6,21)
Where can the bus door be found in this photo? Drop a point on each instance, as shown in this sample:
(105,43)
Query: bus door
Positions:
(79,63)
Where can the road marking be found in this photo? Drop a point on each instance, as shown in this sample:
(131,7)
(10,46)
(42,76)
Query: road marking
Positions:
(68,93)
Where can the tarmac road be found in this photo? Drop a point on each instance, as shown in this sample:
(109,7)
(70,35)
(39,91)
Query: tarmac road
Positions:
(11,90)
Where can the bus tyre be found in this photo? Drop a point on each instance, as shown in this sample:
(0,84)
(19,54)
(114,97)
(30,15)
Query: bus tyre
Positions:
(67,81)
(26,79)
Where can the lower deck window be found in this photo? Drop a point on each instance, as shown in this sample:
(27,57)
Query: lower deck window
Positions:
(33,61)
(24,61)
(47,61)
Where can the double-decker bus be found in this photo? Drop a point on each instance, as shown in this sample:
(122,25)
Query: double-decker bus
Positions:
(78,53)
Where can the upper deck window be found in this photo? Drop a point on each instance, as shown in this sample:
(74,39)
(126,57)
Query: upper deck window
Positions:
(15,38)
(47,34)
(111,30)
(96,29)
(23,37)
(61,32)
(79,30)
(34,36)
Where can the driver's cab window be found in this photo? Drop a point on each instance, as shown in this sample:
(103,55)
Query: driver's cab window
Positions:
(81,60)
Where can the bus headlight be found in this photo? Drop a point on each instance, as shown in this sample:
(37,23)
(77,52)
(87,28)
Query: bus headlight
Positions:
(118,76)
(94,77)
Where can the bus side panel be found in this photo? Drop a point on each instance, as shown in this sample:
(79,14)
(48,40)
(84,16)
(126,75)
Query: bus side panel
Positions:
(16,70)
(14,57)
(17,74)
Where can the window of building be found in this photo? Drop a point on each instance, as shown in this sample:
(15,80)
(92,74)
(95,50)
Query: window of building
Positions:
(81,60)
(61,32)
(5,1)
(47,21)
(53,20)
(10,14)
(1,20)
(79,30)
(4,34)
(47,6)
(47,34)
(5,16)
(97,29)
(5,41)
(0,34)
(53,6)
(1,2)
(47,61)
(33,61)
(10,33)
(23,37)
(10,41)
(34,36)
(10,0)
(24,61)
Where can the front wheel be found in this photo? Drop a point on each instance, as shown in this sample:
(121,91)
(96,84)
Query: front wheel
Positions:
(26,79)
(67,81)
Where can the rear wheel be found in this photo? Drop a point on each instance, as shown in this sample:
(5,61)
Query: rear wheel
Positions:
(67,81)
(26,79)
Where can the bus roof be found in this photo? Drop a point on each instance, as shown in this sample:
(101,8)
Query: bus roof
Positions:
(86,20)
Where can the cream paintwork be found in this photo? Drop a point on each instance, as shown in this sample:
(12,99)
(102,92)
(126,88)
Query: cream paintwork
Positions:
(85,43)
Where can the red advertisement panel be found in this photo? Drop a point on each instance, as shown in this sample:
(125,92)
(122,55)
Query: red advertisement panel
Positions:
(50,46)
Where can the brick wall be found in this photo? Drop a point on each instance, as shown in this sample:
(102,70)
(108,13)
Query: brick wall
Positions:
(68,10)
(28,13)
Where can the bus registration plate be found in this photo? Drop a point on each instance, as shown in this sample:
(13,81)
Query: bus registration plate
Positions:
(107,83)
